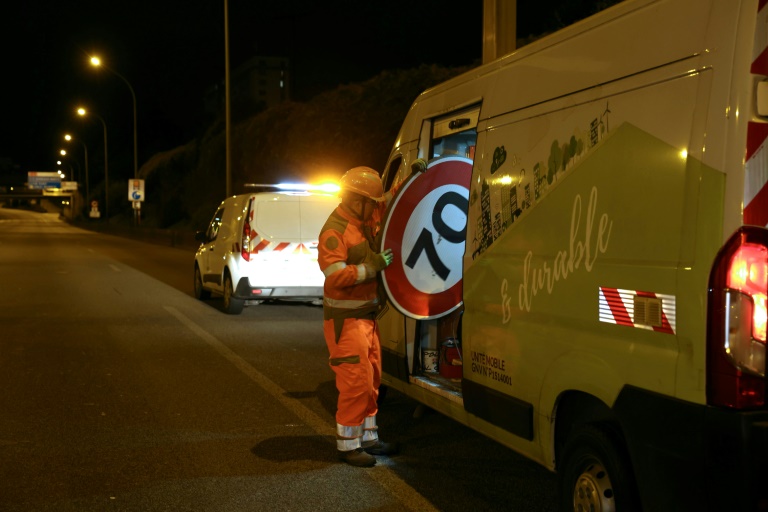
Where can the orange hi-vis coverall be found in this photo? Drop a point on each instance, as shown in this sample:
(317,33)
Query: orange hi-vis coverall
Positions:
(350,303)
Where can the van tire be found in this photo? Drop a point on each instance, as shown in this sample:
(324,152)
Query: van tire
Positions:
(200,292)
(232,305)
(594,473)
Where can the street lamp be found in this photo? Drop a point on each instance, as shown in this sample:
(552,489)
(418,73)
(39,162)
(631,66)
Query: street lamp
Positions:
(82,112)
(96,62)
(68,138)
(63,152)
(71,169)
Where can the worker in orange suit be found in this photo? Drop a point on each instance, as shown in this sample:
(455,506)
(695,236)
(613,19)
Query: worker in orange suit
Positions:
(350,263)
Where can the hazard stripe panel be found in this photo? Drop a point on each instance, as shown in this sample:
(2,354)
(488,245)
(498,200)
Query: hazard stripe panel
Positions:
(759,53)
(635,308)
(259,244)
(756,158)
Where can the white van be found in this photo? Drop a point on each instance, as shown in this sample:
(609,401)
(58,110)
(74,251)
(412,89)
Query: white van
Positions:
(582,271)
(263,246)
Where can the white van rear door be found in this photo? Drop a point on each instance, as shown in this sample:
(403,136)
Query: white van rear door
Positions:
(314,212)
(285,246)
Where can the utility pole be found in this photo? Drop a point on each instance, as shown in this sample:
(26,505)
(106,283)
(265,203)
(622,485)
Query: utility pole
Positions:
(499,28)
(228,120)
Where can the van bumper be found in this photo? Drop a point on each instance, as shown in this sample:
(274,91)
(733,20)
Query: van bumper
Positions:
(695,457)
(245,291)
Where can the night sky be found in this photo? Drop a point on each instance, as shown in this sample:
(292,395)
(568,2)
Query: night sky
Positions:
(171,52)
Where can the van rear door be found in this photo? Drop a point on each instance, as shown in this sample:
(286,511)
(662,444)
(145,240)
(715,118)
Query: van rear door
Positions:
(285,230)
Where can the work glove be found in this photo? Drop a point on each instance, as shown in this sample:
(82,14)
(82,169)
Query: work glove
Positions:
(383,260)
(418,166)
(379,263)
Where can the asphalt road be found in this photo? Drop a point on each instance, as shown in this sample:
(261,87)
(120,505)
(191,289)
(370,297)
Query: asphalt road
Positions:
(120,391)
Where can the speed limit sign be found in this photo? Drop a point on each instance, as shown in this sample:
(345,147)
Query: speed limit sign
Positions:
(426,229)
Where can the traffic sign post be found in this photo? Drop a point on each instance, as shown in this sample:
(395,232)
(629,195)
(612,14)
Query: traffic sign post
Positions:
(426,230)
(135,190)
(136,196)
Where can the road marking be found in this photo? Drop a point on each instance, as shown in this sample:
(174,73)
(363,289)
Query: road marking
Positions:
(380,473)
(309,417)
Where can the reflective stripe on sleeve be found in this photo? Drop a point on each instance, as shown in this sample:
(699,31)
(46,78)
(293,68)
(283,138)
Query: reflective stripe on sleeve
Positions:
(334,267)
(360,273)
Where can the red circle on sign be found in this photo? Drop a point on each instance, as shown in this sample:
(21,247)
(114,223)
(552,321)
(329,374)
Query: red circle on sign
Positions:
(407,298)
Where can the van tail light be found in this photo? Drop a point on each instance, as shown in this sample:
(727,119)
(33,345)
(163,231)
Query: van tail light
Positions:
(244,252)
(245,245)
(737,315)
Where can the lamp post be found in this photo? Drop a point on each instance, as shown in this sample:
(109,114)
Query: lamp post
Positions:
(68,138)
(96,62)
(227,115)
(82,112)
(71,169)
(60,163)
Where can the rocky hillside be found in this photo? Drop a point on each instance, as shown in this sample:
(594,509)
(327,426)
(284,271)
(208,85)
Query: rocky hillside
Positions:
(355,124)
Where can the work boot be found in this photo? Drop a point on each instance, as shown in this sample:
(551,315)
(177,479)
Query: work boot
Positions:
(357,458)
(378,447)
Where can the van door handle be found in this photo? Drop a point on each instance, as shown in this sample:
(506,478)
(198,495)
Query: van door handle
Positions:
(458,123)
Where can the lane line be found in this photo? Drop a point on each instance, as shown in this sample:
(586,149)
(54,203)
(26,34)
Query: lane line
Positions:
(380,473)
(309,417)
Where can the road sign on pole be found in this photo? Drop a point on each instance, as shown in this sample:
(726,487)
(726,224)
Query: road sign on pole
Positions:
(135,190)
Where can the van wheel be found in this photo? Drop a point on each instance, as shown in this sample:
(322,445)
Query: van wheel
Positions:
(594,474)
(232,305)
(200,292)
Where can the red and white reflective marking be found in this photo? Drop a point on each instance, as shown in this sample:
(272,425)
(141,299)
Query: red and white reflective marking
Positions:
(265,245)
(617,306)
(756,160)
